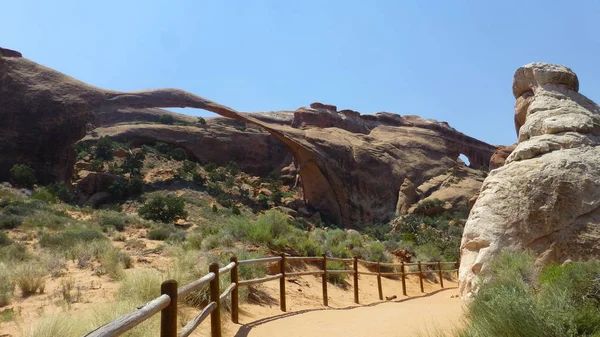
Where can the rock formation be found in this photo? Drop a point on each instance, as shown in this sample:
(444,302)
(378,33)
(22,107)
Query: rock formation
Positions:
(547,196)
(351,165)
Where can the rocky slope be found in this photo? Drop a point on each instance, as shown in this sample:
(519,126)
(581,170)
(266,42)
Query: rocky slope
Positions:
(546,197)
(351,165)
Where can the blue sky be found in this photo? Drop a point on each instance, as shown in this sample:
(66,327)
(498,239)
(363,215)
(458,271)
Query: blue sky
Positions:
(448,60)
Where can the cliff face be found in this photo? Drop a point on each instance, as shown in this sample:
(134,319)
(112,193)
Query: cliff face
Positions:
(546,197)
(351,165)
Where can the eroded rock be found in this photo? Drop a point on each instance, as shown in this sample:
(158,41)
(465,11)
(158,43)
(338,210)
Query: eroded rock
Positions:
(547,196)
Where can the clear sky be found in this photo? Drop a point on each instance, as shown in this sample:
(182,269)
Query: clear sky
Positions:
(448,60)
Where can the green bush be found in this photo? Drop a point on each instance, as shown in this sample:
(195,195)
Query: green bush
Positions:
(67,240)
(97,165)
(43,194)
(22,176)
(112,219)
(13,253)
(164,209)
(7,286)
(4,239)
(9,221)
(512,301)
(198,179)
(104,148)
(178,154)
(62,192)
(159,233)
(166,119)
(201,121)
(337,279)
(133,163)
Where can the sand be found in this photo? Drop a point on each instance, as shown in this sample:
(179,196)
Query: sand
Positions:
(404,318)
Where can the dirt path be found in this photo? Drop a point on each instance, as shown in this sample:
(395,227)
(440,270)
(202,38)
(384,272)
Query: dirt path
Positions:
(407,317)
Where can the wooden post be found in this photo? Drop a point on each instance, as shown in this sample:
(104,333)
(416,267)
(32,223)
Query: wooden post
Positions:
(282,283)
(215,293)
(355,265)
(456,267)
(439,265)
(403,280)
(235,294)
(421,277)
(325,299)
(168,315)
(379,281)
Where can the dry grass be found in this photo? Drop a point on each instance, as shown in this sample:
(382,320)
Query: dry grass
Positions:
(7,286)
(30,277)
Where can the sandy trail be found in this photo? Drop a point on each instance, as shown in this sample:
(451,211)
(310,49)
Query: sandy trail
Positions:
(407,317)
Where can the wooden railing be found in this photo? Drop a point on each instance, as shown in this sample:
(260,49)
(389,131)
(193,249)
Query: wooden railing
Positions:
(166,303)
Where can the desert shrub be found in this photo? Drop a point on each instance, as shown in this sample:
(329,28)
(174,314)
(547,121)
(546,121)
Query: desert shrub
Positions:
(276,197)
(21,208)
(4,239)
(198,178)
(112,219)
(54,263)
(178,154)
(188,167)
(43,194)
(166,119)
(104,148)
(217,175)
(201,121)
(162,147)
(224,200)
(133,163)
(164,209)
(97,165)
(264,231)
(210,167)
(428,253)
(337,279)
(429,203)
(62,192)
(13,253)
(194,240)
(9,221)
(22,175)
(7,286)
(235,210)
(141,286)
(113,261)
(66,240)
(309,247)
(29,277)
(376,252)
(47,219)
(512,301)
(159,233)
(63,324)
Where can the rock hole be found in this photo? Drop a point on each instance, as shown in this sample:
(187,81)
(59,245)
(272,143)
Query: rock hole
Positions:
(464,159)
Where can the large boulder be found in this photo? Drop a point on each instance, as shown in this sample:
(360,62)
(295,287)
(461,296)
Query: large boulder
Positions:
(546,197)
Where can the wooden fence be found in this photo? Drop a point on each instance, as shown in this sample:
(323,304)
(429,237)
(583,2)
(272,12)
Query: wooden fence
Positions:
(166,303)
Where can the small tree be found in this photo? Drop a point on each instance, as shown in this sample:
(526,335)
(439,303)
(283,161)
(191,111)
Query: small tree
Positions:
(178,154)
(22,176)
(201,121)
(166,119)
(164,209)
(133,164)
(104,148)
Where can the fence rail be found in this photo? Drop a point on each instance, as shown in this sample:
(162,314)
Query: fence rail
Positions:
(166,303)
